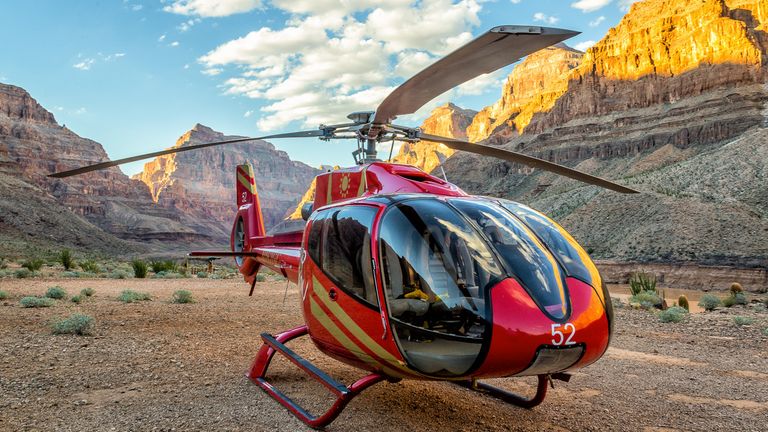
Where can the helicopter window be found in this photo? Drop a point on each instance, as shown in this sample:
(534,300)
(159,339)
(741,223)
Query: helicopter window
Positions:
(553,236)
(521,251)
(340,242)
(436,269)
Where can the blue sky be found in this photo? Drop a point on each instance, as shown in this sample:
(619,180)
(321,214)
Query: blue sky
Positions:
(136,74)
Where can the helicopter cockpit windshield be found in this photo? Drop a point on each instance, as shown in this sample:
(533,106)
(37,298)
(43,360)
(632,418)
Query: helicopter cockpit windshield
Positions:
(436,270)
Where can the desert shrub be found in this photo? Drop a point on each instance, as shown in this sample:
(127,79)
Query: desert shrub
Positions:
(617,303)
(736,288)
(202,274)
(90,266)
(87,292)
(3,264)
(77,299)
(732,300)
(260,278)
(76,324)
(3,295)
(640,282)
(66,259)
(35,302)
(682,301)
(674,314)
(56,292)
(118,274)
(765,331)
(22,273)
(740,320)
(33,265)
(646,299)
(71,274)
(709,302)
(182,296)
(129,296)
(139,268)
(163,266)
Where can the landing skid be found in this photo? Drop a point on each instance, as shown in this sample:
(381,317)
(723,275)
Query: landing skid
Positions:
(512,398)
(343,393)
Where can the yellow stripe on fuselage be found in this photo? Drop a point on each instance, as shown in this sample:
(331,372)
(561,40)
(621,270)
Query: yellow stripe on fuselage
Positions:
(344,340)
(349,324)
(246,183)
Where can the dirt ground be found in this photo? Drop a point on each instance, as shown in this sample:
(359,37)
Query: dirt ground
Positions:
(162,366)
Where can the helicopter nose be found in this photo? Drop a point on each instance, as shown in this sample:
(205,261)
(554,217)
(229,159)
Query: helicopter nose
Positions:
(527,341)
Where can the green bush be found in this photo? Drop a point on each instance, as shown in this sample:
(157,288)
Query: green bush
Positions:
(56,293)
(90,266)
(640,282)
(66,259)
(3,295)
(129,296)
(139,268)
(118,274)
(646,299)
(35,302)
(182,296)
(22,273)
(617,303)
(765,331)
(709,302)
(33,265)
(202,274)
(76,299)
(87,292)
(740,320)
(682,301)
(77,324)
(260,278)
(732,300)
(163,266)
(3,264)
(674,314)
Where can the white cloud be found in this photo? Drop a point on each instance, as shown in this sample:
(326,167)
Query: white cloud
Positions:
(248,113)
(590,5)
(212,71)
(624,5)
(515,1)
(597,21)
(186,25)
(174,44)
(212,8)
(80,111)
(335,57)
(85,64)
(540,16)
(583,46)
(137,7)
(161,38)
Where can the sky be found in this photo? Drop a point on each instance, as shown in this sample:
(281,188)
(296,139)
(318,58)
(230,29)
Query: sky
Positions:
(134,75)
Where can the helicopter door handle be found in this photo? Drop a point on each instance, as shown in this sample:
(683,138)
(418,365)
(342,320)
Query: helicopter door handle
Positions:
(332,294)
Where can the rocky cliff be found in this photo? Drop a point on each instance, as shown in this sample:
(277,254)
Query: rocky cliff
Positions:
(671,101)
(201,184)
(448,120)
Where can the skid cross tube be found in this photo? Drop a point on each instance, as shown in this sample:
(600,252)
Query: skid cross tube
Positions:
(509,397)
(344,394)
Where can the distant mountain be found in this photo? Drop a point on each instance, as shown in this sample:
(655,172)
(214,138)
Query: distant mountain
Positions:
(201,184)
(672,101)
(189,205)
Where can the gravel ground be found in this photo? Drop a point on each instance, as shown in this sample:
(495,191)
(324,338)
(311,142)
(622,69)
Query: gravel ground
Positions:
(161,366)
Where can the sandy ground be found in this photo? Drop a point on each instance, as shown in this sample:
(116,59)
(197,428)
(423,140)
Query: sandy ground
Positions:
(161,366)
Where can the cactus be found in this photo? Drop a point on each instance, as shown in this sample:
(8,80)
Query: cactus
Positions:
(640,282)
(682,301)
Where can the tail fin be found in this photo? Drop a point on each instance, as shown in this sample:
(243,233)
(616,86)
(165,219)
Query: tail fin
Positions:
(247,194)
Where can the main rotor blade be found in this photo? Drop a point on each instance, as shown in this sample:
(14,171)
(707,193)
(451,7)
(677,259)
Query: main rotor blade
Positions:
(499,47)
(513,156)
(108,164)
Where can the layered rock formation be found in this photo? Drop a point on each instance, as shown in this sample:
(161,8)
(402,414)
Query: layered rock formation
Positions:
(33,145)
(449,121)
(201,184)
(673,102)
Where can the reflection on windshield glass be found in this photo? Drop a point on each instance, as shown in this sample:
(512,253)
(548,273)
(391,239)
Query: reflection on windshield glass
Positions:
(553,238)
(529,261)
(436,269)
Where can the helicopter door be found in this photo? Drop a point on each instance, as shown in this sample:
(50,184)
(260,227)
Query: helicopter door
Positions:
(437,271)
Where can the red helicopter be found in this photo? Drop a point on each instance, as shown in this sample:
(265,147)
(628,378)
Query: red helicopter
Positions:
(404,275)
